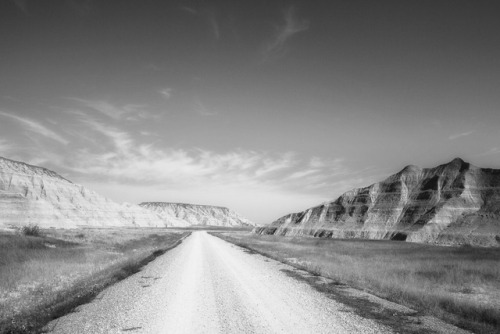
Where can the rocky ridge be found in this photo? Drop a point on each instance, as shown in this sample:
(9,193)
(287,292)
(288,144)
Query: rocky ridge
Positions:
(35,195)
(193,214)
(452,204)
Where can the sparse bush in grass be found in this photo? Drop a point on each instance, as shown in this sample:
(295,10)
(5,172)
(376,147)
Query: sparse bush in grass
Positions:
(32,230)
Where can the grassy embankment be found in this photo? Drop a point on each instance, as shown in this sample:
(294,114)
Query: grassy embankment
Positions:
(44,277)
(458,284)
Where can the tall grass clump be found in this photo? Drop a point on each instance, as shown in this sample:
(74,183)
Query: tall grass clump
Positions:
(32,230)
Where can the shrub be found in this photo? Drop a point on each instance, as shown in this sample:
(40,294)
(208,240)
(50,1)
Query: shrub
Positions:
(31,230)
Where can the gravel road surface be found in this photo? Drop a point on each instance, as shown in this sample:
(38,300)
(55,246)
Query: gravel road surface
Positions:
(207,285)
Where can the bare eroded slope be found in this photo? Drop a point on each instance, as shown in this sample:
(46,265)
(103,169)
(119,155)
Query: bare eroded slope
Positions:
(454,203)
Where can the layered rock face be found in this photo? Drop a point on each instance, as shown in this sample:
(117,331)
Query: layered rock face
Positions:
(452,204)
(193,214)
(35,195)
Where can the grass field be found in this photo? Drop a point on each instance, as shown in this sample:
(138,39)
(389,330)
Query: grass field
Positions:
(460,285)
(42,277)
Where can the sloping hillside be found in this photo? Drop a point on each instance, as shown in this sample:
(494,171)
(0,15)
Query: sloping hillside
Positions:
(36,195)
(454,203)
(198,214)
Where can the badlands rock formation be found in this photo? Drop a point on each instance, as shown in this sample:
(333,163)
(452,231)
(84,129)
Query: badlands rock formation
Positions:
(35,195)
(193,214)
(455,203)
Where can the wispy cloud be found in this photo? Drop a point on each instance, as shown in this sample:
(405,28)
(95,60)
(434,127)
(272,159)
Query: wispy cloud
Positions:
(316,162)
(121,140)
(131,112)
(291,25)
(214,24)
(492,151)
(303,173)
(126,160)
(268,166)
(5,147)
(210,17)
(201,109)
(166,92)
(121,157)
(36,127)
(458,135)
(187,168)
(189,10)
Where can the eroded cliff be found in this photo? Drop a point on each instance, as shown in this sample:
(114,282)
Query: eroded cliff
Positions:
(454,203)
(198,214)
(35,195)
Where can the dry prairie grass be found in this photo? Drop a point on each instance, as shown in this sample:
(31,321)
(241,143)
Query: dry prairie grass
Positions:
(458,284)
(42,277)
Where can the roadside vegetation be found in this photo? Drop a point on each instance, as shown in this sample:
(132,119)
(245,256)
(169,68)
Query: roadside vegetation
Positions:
(460,285)
(45,274)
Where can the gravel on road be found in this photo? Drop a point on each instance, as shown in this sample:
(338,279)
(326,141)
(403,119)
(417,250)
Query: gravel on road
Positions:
(207,285)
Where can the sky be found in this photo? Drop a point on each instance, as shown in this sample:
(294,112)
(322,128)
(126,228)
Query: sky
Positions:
(266,107)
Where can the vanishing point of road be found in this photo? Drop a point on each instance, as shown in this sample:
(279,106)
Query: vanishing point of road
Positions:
(207,285)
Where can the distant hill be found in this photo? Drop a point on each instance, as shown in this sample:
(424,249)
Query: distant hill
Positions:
(35,195)
(452,204)
(193,214)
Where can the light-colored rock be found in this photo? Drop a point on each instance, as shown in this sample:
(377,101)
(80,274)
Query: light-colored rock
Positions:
(36,195)
(455,203)
(193,214)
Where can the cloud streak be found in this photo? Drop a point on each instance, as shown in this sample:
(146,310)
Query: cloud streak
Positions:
(212,20)
(291,26)
(166,93)
(209,16)
(5,146)
(202,110)
(130,112)
(120,140)
(35,127)
(492,151)
(127,162)
(458,135)
(120,157)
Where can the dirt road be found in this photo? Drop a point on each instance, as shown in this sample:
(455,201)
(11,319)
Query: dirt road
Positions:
(207,285)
